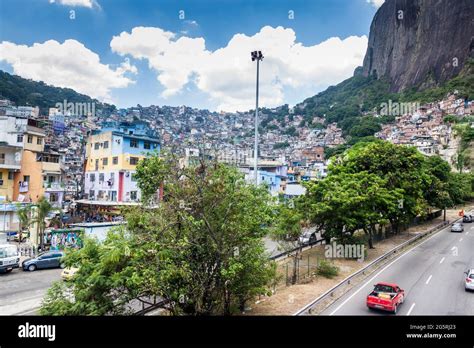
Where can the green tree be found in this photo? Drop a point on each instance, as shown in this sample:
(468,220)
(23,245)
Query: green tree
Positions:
(106,281)
(343,203)
(286,232)
(41,210)
(24,218)
(201,247)
(401,166)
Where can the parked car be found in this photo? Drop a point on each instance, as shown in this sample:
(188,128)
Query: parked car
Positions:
(307,237)
(386,296)
(48,259)
(24,236)
(457,227)
(9,258)
(469,280)
(467,218)
(68,273)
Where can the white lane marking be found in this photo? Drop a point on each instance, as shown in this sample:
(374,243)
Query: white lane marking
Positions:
(460,239)
(429,278)
(383,269)
(453,248)
(411,308)
(467,233)
(442,260)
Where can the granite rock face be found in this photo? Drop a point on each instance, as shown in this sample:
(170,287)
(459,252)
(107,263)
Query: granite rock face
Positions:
(420,43)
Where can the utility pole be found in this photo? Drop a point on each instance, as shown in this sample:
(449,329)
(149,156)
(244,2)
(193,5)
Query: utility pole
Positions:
(256,55)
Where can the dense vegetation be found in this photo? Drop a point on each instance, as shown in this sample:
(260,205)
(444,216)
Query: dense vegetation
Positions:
(28,92)
(378,184)
(201,248)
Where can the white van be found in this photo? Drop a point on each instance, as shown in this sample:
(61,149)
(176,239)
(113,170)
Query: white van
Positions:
(9,257)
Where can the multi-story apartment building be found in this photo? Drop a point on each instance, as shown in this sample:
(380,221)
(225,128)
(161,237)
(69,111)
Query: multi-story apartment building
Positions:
(11,149)
(29,168)
(40,173)
(112,155)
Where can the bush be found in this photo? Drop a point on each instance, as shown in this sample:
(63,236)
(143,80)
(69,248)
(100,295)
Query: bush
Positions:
(326,269)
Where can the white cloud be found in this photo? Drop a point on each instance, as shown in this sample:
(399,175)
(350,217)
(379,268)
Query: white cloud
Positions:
(376,3)
(69,64)
(227,74)
(78,3)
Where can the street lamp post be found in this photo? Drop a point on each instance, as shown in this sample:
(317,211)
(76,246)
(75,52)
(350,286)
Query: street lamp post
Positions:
(256,56)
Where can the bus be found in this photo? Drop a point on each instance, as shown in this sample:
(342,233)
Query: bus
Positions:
(9,258)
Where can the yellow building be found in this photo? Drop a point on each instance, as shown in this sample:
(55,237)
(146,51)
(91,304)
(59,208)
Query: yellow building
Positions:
(112,155)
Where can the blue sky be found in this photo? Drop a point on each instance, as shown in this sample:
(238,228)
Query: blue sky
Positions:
(200,60)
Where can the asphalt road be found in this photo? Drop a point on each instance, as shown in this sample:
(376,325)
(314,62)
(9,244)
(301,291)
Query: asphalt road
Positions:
(21,292)
(431,274)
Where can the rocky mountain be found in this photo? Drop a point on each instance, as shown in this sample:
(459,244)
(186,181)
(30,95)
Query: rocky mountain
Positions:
(420,43)
(418,50)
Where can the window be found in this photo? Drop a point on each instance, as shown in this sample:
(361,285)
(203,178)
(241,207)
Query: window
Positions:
(96,146)
(96,164)
(133,161)
(30,139)
(106,144)
(134,143)
(53,197)
(26,178)
(105,161)
(10,175)
(19,138)
(134,177)
(91,193)
(133,195)
(115,160)
(92,177)
(2,158)
(1,178)
(101,177)
(147,145)
(39,141)
(113,196)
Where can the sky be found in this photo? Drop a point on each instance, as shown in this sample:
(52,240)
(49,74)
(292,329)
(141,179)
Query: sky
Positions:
(186,52)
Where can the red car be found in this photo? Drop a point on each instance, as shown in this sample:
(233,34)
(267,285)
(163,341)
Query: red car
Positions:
(386,296)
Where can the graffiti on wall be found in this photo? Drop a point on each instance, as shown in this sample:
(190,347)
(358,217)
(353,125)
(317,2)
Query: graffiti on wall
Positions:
(66,239)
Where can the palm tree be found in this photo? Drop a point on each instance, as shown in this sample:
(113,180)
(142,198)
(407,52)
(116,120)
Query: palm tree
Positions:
(43,208)
(24,217)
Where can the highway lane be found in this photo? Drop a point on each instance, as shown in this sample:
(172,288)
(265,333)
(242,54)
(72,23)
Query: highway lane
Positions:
(431,275)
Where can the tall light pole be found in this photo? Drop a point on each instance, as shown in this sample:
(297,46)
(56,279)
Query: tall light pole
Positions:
(256,56)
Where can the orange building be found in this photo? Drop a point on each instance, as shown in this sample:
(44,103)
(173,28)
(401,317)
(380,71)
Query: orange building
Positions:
(40,173)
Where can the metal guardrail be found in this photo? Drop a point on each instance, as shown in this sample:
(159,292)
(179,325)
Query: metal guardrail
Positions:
(347,281)
(303,248)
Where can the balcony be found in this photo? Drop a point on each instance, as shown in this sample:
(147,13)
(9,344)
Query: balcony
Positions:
(51,167)
(53,186)
(23,187)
